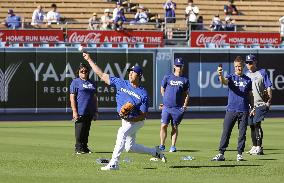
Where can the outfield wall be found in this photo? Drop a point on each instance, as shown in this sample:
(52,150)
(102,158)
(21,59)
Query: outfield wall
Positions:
(36,80)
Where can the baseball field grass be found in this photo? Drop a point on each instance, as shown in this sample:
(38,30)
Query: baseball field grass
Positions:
(44,152)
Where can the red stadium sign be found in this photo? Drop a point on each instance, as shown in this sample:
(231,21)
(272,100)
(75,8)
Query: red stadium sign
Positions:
(199,39)
(31,36)
(149,38)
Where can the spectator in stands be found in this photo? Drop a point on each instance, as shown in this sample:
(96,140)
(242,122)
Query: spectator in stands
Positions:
(116,9)
(216,24)
(53,17)
(230,8)
(38,16)
(13,21)
(281,20)
(200,25)
(170,15)
(191,13)
(229,24)
(141,16)
(119,20)
(94,22)
(106,20)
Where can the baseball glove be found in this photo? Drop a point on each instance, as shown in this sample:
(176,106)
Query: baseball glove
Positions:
(125,110)
(265,96)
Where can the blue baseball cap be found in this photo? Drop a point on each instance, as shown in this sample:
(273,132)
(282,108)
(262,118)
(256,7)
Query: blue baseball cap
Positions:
(136,69)
(178,62)
(250,58)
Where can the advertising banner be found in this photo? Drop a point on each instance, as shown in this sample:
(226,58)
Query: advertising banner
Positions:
(273,63)
(19,84)
(199,39)
(149,38)
(39,81)
(31,36)
(206,90)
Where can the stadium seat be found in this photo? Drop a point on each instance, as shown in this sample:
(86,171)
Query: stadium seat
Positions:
(44,45)
(139,45)
(107,45)
(28,45)
(14,45)
(210,45)
(240,46)
(92,45)
(281,45)
(123,45)
(268,46)
(225,45)
(2,44)
(76,45)
(256,45)
(60,45)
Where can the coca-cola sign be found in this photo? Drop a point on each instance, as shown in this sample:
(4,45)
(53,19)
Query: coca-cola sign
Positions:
(31,36)
(199,39)
(218,39)
(149,38)
(85,38)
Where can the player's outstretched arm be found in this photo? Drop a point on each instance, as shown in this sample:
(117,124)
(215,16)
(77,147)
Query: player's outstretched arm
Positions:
(96,69)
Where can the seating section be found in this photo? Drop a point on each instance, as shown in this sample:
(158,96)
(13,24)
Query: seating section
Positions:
(259,15)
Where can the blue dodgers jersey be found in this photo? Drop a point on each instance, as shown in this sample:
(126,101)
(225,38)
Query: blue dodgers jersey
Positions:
(125,92)
(239,88)
(174,87)
(84,91)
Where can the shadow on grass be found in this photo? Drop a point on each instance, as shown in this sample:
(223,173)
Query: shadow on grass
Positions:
(37,127)
(268,159)
(185,150)
(150,168)
(103,152)
(213,166)
(270,153)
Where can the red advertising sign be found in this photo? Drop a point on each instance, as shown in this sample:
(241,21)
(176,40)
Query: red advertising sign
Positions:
(31,36)
(149,38)
(199,39)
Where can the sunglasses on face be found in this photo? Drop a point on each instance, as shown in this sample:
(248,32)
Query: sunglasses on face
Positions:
(249,63)
(83,71)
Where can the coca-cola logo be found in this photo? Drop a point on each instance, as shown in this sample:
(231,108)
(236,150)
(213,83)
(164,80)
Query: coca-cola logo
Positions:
(217,39)
(85,38)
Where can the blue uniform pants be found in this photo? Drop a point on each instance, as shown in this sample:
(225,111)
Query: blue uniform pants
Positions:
(229,122)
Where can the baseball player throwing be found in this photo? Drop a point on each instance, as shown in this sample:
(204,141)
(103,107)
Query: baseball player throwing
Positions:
(132,106)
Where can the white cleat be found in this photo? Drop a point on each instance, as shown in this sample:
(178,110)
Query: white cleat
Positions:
(257,151)
(218,157)
(110,167)
(160,155)
(240,157)
(251,150)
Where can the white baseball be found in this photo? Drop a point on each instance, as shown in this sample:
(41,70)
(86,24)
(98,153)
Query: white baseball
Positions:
(81,48)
